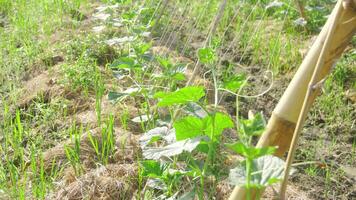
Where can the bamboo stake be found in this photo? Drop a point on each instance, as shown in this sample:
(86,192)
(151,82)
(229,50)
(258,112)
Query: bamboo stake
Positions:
(281,126)
(218,18)
(350,4)
(301,9)
(311,89)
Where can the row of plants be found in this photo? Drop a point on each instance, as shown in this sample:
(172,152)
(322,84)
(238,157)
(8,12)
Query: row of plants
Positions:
(184,148)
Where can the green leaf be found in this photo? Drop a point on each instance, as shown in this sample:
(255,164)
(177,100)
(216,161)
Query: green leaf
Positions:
(123,63)
(221,122)
(203,147)
(238,148)
(189,127)
(159,95)
(250,152)
(149,57)
(178,76)
(206,55)
(119,96)
(142,48)
(156,134)
(164,62)
(234,83)
(182,96)
(151,168)
(266,171)
(254,126)
(128,15)
(116,96)
(174,149)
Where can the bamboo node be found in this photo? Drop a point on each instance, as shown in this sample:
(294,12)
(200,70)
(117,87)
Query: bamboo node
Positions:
(350,4)
(319,84)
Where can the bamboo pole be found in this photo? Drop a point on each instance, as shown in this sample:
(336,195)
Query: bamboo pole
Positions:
(281,126)
(312,88)
(301,9)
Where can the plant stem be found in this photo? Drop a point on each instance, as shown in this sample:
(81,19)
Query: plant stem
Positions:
(248,178)
(216,90)
(209,158)
(201,196)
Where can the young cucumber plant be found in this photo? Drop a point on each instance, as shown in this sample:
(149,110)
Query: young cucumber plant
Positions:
(194,141)
(189,133)
(259,169)
(141,66)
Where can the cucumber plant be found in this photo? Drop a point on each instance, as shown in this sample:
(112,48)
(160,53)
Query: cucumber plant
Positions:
(187,152)
(259,169)
(191,147)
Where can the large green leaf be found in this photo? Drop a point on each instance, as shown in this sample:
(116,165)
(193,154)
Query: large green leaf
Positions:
(174,149)
(156,134)
(189,127)
(211,125)
(123,63)
(182,96)
(250,151)
(216,124)
(266,171)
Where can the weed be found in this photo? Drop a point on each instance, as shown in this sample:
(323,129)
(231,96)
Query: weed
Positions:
(40,182)
(90,48)
(124,117)
(80,75)
(73,152)
(105,146)
(99,92)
